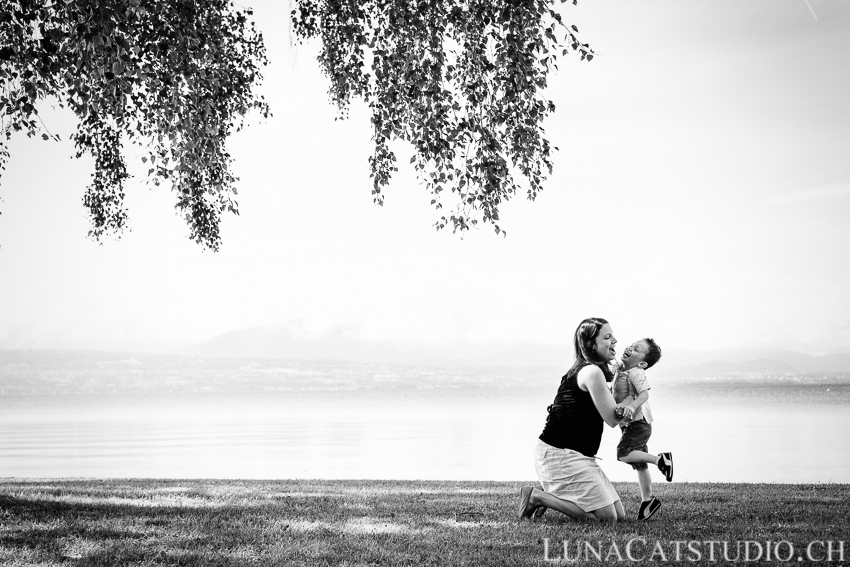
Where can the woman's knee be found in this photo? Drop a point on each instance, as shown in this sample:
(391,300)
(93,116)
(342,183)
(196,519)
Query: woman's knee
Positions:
(607,514)
(621,513)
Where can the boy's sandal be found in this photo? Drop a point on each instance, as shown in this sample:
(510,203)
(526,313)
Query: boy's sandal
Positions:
(665,465)
(648,508)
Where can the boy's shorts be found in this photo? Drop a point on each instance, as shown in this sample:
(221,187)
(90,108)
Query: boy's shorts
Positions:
(635,437)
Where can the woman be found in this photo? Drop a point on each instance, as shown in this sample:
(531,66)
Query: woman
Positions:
(565,453)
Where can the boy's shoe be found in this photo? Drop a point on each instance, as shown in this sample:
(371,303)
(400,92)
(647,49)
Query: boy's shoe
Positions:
(648,508)
(525,511)
(665,465)
(538,512)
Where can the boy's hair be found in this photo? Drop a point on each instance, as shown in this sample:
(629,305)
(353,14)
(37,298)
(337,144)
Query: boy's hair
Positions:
(653,352)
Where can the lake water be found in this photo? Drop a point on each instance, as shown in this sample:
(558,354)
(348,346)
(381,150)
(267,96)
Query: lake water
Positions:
(401,424)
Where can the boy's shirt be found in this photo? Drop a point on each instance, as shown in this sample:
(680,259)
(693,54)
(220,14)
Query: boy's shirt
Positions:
(628,384)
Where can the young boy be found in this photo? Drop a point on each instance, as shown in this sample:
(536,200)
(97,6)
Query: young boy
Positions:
(631,392)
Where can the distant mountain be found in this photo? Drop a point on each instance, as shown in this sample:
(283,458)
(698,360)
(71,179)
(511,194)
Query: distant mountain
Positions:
(724,367)
(282,362)
(289,342)
(749,361)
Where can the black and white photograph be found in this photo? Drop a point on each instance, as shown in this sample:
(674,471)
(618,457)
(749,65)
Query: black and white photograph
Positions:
(424,282)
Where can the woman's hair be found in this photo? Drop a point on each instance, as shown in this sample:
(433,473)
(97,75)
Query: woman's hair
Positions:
(584,343)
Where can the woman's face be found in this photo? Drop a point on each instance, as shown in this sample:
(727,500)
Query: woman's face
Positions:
(605,342)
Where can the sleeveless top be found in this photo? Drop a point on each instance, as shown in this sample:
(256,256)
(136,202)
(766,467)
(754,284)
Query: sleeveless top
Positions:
(573,421)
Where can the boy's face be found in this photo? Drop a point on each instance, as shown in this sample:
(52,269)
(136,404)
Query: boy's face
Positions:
(635,355)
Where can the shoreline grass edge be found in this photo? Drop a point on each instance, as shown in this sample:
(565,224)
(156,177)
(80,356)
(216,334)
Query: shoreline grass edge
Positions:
(389,522)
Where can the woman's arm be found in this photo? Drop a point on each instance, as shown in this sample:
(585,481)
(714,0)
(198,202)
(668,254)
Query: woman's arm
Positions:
(591,380)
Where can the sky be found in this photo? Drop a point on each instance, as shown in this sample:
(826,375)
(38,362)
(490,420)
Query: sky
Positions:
(699,196)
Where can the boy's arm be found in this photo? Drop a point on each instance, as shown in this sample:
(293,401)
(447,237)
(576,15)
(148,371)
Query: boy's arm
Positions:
(638,401)
(630,406)
(638,381)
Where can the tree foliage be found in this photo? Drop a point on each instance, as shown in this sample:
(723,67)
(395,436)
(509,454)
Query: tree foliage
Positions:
(461,80)
(174,76)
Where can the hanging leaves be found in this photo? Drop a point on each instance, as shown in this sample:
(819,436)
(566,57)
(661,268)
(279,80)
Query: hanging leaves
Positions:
(175,76)
(460,80)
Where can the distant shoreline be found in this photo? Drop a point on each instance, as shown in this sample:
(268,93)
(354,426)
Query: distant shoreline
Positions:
(52,373)
(283,350)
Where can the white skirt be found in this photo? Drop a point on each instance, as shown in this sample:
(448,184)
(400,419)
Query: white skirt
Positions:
(571,476)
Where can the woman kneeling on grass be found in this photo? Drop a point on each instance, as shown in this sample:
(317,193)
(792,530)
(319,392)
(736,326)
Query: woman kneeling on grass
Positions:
(565,454)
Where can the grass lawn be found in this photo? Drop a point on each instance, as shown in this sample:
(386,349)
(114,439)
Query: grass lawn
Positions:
(304,522)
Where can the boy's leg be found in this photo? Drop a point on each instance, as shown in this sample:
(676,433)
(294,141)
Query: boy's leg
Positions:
(640,457)
(665,465)
(645,482)
(632,448)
